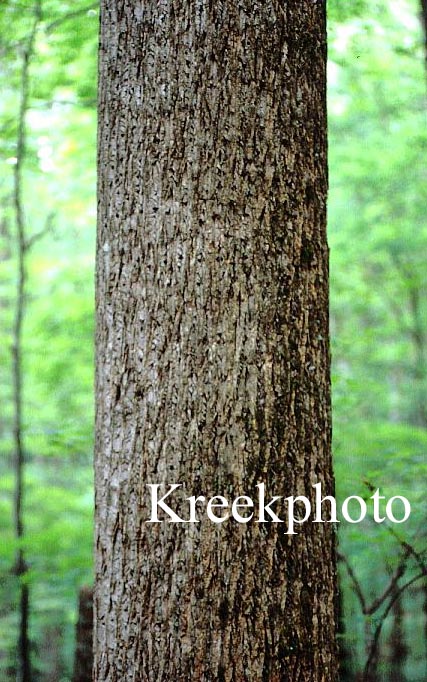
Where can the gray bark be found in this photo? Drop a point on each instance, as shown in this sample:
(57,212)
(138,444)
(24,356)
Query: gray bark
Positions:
(212,339)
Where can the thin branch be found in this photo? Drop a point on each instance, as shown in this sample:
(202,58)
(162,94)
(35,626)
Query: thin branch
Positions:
(42,233)
(70,15)
(64,102)
(379,601)
(15,46)
(422,565)
(375,639)
(356,584)
(399,572)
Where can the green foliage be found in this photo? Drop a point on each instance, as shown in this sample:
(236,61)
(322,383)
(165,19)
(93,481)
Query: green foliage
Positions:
(340,12)
(378,239)
(59,203)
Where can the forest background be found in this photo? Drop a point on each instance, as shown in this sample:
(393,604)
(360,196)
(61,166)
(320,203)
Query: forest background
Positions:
(378,241)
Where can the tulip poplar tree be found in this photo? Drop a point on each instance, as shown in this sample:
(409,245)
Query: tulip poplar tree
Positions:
(212,341)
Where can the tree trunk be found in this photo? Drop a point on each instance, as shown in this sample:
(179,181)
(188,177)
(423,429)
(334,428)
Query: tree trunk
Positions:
(397,643)
(372,652)
(23,653)
(344,652)
(51,654)
(212,340)
(423,7)
(83,659)
(424,598)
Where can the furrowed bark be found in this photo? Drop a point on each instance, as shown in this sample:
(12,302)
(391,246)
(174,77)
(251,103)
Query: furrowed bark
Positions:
(212,339)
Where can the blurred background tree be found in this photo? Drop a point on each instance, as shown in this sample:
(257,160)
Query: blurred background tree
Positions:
(47,119)
(378,239)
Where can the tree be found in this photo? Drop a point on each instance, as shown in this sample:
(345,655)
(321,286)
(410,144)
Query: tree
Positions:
(45,414)
(378,247)
(23,673)
(212,339)
(423,5)
(83,661)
